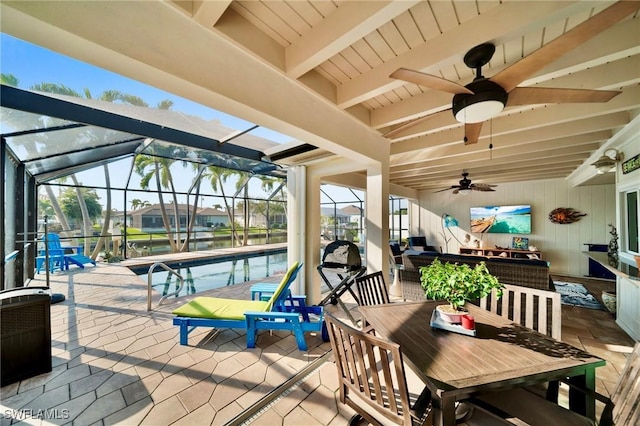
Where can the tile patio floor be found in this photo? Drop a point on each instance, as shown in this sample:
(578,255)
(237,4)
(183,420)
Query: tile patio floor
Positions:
(116,363)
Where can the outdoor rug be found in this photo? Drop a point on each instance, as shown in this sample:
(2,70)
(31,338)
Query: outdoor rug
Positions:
(576,295)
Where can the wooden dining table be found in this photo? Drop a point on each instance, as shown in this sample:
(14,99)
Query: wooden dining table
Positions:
(502,355)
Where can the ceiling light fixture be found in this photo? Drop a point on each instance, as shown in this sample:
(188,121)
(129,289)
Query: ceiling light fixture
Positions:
(464,191)
(487,101)
(607,162)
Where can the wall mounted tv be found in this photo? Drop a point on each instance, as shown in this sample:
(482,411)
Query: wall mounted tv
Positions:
(501,219)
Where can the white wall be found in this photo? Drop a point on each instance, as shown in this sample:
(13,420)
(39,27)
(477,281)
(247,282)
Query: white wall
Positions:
(562,245)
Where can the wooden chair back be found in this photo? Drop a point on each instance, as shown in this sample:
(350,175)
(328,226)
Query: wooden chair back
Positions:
(371,374)
(626,395)
(372,290)
(536,309)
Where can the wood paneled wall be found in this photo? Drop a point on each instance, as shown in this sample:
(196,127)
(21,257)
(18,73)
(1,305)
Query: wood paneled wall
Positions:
(562,245)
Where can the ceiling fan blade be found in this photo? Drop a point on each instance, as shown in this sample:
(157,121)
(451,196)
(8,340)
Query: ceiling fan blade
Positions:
(482,187)
(472,132)
(430,81)
(547,95)
(510,77)
(447,189)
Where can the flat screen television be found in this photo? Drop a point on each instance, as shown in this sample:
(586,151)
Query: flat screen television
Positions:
(501,219)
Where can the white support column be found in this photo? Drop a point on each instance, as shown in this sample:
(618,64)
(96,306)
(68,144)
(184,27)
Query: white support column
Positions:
(296,224)
(312,238)
(377,219)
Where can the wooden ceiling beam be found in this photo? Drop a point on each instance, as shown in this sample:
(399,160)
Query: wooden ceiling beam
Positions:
(348,24)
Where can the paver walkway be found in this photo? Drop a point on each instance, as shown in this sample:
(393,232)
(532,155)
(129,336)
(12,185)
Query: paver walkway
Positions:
(116,363)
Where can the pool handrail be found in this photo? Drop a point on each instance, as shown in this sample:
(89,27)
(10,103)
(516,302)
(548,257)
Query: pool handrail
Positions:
(150,283)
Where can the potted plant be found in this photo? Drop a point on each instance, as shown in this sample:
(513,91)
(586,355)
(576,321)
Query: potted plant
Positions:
(456,284)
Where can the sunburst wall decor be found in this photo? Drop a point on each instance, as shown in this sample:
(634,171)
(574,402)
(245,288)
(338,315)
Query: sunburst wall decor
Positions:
(565,215)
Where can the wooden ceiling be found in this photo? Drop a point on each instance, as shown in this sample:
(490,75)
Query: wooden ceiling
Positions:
(335,58)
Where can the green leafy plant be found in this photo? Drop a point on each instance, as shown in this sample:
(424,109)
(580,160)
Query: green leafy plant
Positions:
(111,258)
(457,283)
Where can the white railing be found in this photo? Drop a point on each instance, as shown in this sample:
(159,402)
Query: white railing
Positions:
(150,284)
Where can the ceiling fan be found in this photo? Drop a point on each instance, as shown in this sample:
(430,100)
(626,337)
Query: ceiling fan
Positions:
(484,98)
(466,186)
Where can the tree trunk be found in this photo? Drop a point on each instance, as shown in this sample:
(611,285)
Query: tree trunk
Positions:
(107,216)
(176,213)
(62,218)
(192,219)
(229,215)
(245,213)
(86,220)
(163,210)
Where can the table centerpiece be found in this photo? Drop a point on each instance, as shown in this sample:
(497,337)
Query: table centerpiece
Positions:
(456,284)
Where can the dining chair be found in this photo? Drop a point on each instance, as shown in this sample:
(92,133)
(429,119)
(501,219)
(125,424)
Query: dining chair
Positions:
(374,383)
(621,408)
(539,310)
(372,378)
(372,289)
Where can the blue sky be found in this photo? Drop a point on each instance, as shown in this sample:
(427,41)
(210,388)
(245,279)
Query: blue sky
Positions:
(32,64)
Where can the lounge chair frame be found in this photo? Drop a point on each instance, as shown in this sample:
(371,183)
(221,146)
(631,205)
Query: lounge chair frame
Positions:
(286,312)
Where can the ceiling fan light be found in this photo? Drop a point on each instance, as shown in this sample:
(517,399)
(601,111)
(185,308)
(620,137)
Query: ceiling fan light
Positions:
(479,112)
(606,163)
(464,191)
(487,101)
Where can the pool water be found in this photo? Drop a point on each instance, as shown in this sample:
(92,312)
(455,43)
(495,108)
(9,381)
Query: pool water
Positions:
(220,274)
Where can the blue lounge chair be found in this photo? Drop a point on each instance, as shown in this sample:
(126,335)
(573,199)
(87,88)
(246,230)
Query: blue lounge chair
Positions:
(281,311)
(58,258)
(55,253)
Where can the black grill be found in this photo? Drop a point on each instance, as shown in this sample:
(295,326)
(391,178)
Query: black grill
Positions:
(342,255)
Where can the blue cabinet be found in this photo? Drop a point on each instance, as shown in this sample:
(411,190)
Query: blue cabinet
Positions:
(596,270)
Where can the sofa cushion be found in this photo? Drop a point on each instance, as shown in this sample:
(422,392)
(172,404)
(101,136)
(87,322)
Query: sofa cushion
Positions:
(215,307)
(410,252)
(395,249)
(530,262)
(414,242)
(461,258)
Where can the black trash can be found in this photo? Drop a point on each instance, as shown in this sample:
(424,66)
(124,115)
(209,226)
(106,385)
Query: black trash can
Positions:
(25,332)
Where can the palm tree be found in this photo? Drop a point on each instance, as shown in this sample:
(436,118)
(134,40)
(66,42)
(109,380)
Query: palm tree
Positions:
(107,216)
(217,177)
(136,203)
(267,183)
(157,168)
(86,220)
(197,180)
(9,80)
(107,96)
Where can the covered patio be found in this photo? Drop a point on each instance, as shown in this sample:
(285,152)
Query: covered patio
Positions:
(318,72)
(116,363)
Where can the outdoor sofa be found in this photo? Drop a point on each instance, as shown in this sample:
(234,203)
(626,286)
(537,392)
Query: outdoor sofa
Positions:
(523,272)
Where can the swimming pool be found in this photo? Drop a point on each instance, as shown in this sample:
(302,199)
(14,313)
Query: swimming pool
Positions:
(219,274)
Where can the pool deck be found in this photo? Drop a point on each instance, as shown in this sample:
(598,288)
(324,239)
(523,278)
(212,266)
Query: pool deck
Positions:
(203,255)
(116,363)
